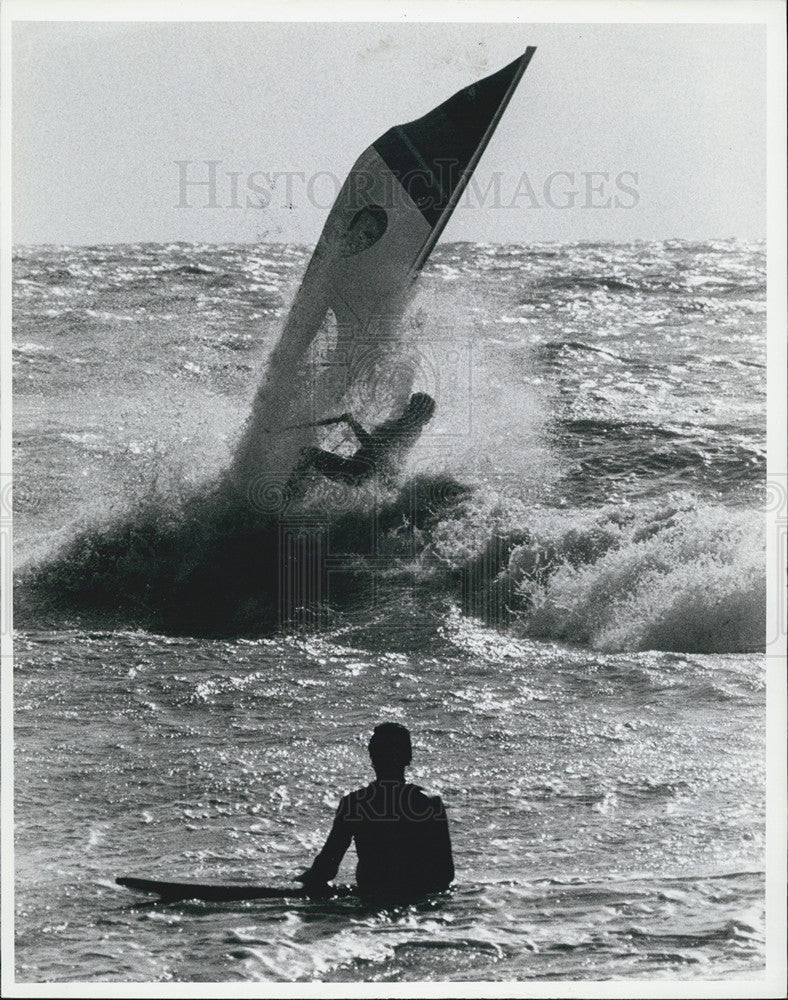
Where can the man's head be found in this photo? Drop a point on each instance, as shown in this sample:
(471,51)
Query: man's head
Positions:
(420,407)
(390,748)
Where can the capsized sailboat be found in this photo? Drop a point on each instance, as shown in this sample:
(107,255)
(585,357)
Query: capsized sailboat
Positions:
(386,219)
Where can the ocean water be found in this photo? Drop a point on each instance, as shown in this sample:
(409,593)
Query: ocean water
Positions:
(563,596)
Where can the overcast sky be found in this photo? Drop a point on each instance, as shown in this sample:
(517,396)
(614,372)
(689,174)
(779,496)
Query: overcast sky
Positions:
(674,115)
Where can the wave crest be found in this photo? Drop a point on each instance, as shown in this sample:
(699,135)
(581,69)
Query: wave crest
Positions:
(687,580)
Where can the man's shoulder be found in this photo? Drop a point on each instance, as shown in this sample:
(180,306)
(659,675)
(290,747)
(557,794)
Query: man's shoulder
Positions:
(420,790)
(427,801)
(408,791)
(359,794)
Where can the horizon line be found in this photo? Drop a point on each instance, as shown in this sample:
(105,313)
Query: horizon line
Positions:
(285,243)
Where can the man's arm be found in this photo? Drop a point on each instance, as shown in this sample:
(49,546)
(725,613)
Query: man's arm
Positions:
(441,862)
(326,864)
(362,435)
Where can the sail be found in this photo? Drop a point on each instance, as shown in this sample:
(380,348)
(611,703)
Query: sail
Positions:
(382,227)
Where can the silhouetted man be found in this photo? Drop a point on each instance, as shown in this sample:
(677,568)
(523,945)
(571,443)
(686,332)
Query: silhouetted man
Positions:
(401,833)
(380,448)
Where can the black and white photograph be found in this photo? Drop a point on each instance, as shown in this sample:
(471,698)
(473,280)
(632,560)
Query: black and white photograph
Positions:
(394,504)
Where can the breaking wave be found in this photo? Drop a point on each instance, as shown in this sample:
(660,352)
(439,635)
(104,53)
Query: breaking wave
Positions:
(687,578)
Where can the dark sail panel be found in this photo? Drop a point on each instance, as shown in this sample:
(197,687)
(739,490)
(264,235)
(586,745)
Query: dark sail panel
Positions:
(430,156)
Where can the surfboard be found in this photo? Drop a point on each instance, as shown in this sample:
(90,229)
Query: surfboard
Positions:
(174,891)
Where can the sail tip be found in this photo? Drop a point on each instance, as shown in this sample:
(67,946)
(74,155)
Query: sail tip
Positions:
(526,57)
(515,69)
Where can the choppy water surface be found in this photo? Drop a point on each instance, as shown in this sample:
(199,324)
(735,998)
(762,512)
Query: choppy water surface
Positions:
(567,609)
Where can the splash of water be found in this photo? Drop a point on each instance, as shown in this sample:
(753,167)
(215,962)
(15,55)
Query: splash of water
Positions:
(688,578)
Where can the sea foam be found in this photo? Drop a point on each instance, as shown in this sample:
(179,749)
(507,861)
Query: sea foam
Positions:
(692,581)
